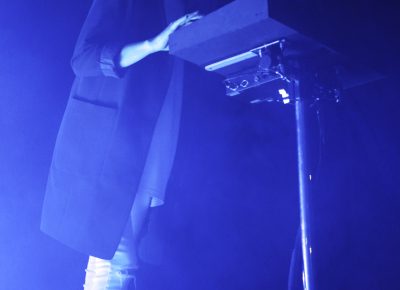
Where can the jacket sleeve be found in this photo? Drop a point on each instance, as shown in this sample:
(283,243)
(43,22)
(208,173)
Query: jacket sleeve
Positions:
(98,47)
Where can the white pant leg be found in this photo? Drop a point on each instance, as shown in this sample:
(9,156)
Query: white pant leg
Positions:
(114,274)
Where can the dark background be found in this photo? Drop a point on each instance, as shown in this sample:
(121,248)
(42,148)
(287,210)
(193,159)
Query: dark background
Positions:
(231,214)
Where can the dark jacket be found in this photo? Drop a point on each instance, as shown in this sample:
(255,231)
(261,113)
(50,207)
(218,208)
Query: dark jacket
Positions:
(107,126)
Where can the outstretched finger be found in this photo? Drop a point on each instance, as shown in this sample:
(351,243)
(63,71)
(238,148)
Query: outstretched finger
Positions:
(188,17)
(189,22)
(180,21)
(183,21)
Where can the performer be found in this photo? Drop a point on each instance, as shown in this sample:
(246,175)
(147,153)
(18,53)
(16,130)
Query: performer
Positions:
(117,140)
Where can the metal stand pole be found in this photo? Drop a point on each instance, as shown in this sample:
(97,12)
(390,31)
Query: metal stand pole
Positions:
(304,180)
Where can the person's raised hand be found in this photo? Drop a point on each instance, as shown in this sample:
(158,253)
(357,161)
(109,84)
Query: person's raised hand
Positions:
(160,42)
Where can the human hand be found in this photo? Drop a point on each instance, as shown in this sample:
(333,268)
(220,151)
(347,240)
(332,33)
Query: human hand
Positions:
(160,42)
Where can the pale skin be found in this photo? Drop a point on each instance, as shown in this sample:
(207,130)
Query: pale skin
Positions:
(133,52)
(130,54)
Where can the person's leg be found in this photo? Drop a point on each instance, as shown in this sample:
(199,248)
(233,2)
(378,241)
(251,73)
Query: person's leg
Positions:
(100,275)
(114,274)
(118,273)
(139,215)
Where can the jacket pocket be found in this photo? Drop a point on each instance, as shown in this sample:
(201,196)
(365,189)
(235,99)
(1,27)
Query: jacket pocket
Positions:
(84,137)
